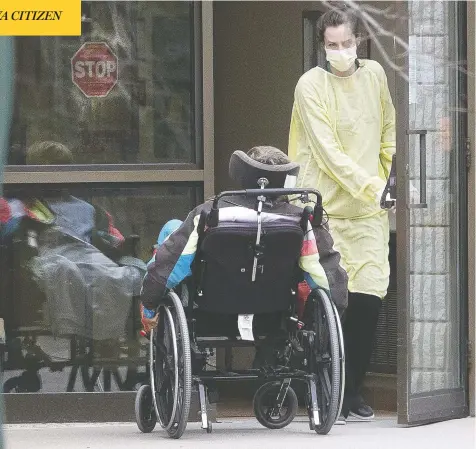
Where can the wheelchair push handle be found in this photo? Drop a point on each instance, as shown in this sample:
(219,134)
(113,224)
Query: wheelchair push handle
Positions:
(262,194)
(283,191)
(273,193)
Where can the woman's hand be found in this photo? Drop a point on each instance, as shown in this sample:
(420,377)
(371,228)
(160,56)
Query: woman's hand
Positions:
(148,318)
(149,323)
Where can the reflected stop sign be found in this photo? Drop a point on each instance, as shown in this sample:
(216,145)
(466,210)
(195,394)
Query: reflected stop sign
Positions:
(94,69)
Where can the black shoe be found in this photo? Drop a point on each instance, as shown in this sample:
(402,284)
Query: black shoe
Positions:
(360,411)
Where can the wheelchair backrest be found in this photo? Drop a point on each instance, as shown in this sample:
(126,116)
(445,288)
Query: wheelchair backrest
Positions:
(228,256)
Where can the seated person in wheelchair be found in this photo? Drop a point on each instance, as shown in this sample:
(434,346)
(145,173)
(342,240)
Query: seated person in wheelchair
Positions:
(82,262)
(148,317)
(174,256)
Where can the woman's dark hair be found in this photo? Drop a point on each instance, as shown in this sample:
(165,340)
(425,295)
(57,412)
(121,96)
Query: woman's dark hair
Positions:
(337,16)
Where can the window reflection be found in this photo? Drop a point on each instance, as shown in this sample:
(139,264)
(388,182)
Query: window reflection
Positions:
(147,117)
(62,336)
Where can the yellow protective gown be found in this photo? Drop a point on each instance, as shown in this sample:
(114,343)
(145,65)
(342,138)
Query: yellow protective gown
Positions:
(343,135)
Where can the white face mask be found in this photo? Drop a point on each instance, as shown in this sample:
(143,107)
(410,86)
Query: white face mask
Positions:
(342,60)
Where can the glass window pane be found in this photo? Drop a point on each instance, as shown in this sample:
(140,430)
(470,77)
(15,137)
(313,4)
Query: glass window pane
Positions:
(435,249)
(69,325)
(146,117)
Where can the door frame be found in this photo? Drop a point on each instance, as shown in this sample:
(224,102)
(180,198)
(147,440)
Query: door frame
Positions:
(471,58)
(445,404)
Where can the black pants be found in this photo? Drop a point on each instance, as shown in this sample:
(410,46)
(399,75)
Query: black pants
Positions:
(359,325)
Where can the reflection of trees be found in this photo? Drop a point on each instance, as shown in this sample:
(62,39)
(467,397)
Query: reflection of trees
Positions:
(372,17)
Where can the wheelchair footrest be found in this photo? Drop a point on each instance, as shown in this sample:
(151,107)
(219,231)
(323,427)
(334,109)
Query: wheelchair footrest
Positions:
(204,407)
(313,405)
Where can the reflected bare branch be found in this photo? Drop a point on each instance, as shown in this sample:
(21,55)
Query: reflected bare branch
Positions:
(371,17)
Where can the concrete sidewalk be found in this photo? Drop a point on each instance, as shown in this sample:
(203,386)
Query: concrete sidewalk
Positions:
(246,434)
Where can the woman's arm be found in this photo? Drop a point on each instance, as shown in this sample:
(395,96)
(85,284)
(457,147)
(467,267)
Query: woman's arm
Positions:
(327,150)
(387,142)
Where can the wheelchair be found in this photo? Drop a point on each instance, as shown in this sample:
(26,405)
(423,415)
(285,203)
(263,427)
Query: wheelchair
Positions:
(243,292)
(24,310)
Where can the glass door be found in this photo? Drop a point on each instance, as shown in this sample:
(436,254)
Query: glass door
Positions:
(431,218)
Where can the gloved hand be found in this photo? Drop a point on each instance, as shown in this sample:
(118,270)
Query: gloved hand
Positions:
(413,191)
(148,319)
(379,199)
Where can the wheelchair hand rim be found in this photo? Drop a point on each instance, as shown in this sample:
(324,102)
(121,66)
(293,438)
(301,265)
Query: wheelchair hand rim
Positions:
(342,363)
(152,375)
(176,369)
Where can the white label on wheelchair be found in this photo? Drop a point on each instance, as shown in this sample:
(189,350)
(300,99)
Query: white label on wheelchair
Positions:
(245,326)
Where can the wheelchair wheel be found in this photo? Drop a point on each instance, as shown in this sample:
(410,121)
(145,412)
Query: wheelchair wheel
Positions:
(171,367)
(144,409)
(326,364)
(270,414)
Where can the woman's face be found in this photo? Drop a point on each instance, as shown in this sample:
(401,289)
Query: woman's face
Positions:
(339,38)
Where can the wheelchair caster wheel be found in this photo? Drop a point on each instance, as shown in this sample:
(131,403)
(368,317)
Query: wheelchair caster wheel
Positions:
(209,427)
(144,409)
(268,413)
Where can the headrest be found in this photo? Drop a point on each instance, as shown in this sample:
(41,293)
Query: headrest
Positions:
(246,171)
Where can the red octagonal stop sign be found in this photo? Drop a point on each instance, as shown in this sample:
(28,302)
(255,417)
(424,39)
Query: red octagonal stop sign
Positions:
(94,69)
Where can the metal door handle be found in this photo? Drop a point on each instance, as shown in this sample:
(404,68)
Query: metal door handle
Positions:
(422,133)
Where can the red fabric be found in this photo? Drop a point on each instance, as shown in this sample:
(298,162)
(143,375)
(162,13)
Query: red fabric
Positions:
(5,211)
(30,214)
(112,230)
(303,293)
